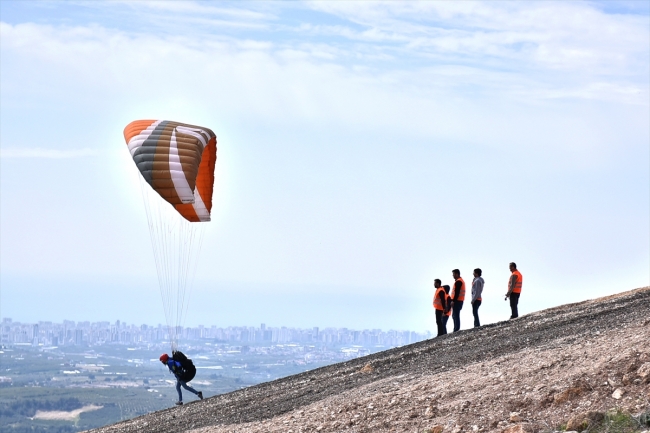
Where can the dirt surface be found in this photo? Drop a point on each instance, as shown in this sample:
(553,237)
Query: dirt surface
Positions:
(533,373)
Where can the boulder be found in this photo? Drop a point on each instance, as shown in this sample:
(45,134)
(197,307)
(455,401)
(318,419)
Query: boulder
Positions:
(618,393)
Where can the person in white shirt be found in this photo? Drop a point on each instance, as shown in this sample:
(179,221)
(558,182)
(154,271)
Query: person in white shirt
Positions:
(477,290)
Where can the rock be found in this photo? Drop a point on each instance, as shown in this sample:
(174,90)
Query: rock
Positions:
(367,369)
(618,393)
(457,429)
(644,370)
(567,394)
(517,428)
(431,411)
(627,379)
(434,429)
(584,421)
(514,417)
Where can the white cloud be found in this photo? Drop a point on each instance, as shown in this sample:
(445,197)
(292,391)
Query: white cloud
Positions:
(264,81)
(550,35)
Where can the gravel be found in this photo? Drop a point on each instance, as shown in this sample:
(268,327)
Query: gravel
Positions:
(535,371)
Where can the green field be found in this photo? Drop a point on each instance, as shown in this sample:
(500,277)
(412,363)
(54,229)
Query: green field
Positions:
(117,404)
(125,381)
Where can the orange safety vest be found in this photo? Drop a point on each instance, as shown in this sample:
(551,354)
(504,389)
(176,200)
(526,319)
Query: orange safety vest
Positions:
(461,295)
(520,280)
(436,299)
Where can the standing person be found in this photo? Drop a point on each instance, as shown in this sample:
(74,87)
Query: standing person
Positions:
(477,290)
(457,298)
(445,317)
(182,374)
(514,289)
(440,305)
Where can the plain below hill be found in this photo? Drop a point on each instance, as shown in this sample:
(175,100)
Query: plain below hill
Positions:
(586,365)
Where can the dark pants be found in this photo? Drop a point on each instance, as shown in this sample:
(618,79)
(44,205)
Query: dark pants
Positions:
(442,329)
(455,314)
(475,306)
(445,318)
(514,300)
(180,383)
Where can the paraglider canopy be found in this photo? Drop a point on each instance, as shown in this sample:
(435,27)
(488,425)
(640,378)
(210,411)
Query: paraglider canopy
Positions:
(177,160)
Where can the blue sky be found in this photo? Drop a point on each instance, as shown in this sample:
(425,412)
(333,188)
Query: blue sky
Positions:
(364,149)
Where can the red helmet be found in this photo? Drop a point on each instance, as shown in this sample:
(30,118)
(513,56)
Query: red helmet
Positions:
(164,358)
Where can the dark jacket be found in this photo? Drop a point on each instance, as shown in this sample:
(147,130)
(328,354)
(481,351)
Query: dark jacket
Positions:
(175,367)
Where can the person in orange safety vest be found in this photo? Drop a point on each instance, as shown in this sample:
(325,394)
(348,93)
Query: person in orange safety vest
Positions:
(439,305)
(457,298)
(514,289)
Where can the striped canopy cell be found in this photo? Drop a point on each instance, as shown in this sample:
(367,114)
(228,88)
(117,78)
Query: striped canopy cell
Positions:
(178,161)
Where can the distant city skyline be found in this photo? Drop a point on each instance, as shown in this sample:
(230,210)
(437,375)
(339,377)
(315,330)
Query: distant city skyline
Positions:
(69,332)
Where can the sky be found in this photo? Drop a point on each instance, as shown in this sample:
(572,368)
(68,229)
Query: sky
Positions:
(364,149)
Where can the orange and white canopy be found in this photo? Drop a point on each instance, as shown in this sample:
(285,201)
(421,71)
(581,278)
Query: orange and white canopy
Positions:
(178,161)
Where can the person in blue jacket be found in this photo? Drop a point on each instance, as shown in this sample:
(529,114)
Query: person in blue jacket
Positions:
(177,369)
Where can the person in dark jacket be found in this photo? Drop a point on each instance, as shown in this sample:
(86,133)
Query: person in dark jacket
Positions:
(177,369)
(445,317)
(477,291)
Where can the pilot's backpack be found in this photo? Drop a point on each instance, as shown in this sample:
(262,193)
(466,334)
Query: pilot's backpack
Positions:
(188,369)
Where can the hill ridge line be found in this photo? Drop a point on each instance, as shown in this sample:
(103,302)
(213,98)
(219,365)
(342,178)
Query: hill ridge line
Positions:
(543,330)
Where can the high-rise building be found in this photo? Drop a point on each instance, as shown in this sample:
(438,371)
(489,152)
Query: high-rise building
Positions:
(78,337)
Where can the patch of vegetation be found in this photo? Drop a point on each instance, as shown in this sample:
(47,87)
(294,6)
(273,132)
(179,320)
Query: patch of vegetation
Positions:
(617,422)
(28,407)
(117,404)
(644,419)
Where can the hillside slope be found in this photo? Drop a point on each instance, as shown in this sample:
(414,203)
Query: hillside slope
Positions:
(546,366)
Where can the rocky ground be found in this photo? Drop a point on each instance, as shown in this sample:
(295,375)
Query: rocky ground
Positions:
(575,364)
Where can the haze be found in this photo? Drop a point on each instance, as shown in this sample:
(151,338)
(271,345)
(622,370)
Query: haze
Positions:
(364,149)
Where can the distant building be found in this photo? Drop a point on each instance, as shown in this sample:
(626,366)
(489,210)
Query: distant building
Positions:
(78,337)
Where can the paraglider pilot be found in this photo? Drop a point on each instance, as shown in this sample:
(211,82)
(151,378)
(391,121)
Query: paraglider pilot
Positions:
(183,374)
